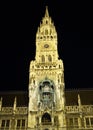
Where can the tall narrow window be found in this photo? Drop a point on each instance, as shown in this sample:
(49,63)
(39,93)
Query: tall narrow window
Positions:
(43,58)
(71,121)
(50,58)
(87,122)
(23,123)
(46,32)
(3,123)
(76,122)
(7,123)
(50,31)
(18,123)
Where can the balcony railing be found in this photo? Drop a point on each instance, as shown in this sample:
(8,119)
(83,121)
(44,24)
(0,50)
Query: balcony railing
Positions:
(69,109)
(6,110)
(76,109)
(72,109)
(9,110)
(21,110)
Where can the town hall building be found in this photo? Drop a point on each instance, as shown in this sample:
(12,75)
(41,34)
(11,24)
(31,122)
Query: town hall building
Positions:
(47,105)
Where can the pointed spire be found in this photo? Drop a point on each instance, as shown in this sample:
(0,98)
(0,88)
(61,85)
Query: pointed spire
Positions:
(0,103)
(79,100)
(46,12)
(15,104)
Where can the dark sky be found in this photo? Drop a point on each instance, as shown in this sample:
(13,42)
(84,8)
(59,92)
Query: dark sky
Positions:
(19,22)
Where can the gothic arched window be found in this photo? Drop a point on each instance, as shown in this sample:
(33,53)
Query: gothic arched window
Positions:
(50,31)
(43,58)
(50,58)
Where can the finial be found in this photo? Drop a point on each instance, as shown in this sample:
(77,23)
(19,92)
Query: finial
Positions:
(46,12)
(15,104)
(0,103)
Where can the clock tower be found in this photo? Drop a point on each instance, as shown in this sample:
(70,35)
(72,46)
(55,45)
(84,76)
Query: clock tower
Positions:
(46,110)
(46,40)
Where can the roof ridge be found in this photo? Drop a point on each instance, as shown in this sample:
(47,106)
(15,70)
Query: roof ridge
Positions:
(79,89)
(12,92)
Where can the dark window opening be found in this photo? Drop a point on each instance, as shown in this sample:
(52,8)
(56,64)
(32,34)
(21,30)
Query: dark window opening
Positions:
(3,123)
(18,123)
(23,123)
(7,123)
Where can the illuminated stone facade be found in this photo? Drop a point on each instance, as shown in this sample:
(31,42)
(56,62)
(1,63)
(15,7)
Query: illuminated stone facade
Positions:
(47,105)
(46,79)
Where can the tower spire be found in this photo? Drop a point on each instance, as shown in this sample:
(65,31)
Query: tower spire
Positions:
(46,12)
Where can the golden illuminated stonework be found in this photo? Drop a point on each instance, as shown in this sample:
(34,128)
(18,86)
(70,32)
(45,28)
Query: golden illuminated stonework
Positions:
(46,80)
(46,105)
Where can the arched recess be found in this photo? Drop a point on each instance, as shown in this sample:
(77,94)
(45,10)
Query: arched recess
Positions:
(46,119)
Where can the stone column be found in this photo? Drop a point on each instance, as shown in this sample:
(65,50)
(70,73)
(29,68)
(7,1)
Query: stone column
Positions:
(52,120)
(40,120)
(13,124)
(79,122)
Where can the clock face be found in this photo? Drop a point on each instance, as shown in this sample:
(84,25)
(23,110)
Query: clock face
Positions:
(46,45)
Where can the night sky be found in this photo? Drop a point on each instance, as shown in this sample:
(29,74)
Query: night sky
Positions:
(19,22)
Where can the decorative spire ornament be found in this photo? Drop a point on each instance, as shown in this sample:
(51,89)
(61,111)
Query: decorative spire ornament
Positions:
(0,103)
